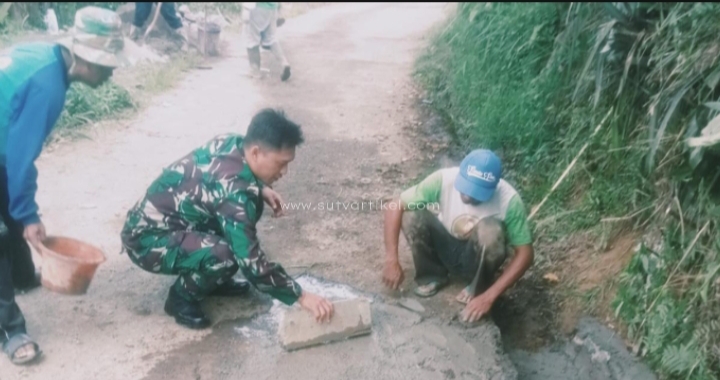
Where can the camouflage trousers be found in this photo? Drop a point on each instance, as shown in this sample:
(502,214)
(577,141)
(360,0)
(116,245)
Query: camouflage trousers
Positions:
(438,254)
(202,260)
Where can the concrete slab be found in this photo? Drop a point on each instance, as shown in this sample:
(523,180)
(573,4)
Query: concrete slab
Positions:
(299,329)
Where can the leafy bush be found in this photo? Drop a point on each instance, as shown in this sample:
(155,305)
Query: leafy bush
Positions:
(83,106)
(33,13)
(65,12)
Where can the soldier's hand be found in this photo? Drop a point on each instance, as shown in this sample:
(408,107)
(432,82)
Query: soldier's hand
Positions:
(321,308)
(35,234)
(393,275)
(273,199)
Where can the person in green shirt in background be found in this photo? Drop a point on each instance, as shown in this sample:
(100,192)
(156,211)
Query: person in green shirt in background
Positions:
(479,211)
(261,22)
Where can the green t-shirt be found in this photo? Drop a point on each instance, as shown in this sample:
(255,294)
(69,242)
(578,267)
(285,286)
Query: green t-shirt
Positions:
(429,191)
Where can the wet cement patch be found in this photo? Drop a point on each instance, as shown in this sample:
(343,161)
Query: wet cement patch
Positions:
(594,353)
(403,345)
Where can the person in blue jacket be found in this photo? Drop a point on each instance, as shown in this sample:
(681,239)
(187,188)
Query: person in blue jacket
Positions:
(34,79)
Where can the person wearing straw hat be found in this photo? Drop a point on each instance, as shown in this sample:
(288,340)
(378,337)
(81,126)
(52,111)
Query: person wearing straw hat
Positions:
(479,213)
(34,79)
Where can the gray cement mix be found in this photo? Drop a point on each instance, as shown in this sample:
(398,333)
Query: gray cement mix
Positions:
(402,345)
(594,353)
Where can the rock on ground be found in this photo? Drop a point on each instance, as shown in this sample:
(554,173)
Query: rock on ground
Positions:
(351,318)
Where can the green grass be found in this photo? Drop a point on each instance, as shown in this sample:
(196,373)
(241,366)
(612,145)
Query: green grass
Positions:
(84,105)
(502,82)
(532,81)
(154,79)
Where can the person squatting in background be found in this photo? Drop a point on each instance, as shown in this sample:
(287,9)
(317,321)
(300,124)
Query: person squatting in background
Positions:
(167,11)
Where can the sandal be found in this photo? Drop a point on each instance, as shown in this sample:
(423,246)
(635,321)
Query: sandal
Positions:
(430,289)
(15,343)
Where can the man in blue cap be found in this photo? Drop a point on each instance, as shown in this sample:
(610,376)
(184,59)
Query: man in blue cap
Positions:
(34,79)
(479,211)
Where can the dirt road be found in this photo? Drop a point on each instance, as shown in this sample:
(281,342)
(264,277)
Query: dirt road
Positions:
(351,91)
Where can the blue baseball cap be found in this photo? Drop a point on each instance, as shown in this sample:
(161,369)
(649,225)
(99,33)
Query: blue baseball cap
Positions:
(480,173)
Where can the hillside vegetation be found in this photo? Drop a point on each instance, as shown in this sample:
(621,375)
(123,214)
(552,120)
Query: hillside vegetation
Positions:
(636,82)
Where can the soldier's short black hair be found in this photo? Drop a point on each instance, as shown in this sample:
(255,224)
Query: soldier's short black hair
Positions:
(272,129)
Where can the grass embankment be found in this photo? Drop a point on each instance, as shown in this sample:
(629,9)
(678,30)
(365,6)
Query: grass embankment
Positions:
(534,82)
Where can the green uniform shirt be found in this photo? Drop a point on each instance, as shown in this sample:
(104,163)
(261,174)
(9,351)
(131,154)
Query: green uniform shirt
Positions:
(212,190)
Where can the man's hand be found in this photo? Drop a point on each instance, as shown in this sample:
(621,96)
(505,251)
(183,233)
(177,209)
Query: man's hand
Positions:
(35,234)
(477,308)
(480,305)
(273,199)
(321,308)
(280,22)
(393,275)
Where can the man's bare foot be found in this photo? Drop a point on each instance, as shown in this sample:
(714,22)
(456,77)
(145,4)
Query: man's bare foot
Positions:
(464,297)
(24,353)
(21,349)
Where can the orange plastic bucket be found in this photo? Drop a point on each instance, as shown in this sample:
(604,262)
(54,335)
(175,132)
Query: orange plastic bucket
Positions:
(68,264)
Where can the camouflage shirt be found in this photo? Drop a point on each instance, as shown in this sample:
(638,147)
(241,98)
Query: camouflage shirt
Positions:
(212,190)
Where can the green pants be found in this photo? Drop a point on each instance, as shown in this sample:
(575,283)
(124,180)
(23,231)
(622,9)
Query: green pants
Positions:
(202,260)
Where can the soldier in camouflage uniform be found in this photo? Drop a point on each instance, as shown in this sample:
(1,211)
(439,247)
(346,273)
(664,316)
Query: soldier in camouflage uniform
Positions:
(197,220)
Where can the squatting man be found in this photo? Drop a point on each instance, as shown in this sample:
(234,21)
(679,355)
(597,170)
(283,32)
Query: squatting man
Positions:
(479,211)
(198,220)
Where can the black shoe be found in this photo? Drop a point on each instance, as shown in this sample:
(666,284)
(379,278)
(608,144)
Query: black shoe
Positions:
(231,288)
(285,74)
(186,313)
